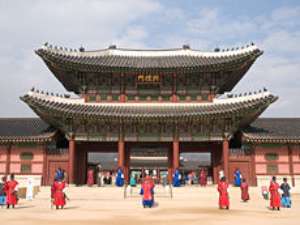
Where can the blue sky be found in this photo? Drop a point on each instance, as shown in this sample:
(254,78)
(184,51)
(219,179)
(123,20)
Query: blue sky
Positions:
(272,24)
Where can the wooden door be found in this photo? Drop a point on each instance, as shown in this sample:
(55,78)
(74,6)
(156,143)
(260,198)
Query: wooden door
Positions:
(53,166)
(244,167)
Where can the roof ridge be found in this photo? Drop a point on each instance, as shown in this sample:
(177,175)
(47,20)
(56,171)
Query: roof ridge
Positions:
(20,118)
(113,50)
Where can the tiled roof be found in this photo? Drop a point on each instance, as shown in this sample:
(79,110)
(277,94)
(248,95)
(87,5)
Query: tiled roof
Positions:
(25,130)
(42,103)
(146,59)
(279,130)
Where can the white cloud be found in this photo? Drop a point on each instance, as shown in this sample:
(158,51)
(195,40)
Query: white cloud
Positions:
(97,24)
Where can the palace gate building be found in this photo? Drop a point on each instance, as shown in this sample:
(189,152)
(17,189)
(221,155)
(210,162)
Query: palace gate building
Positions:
(150,109)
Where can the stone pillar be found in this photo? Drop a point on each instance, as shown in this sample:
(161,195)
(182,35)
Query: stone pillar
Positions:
(175,154)
(121,153)
(226,157)
(72,147)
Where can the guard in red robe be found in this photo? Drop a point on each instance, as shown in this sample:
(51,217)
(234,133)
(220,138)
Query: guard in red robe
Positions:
(147,191)
(58,194)
(244,190)
(223,194)
(10,188)
(275,196)
(203,177)
(90,177)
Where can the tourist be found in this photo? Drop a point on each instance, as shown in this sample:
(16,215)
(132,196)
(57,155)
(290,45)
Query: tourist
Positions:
(147,191)
(2,192)
(59,197)
(176,178)
(265,192)
(221,174)
(286,196)
(237,178)
(275,196)
(100,179)
(223,193)
(120,178)
(164,178)
(203,177)
(11,190)
(29,189)
(90,177)
(245,190)
(132,181)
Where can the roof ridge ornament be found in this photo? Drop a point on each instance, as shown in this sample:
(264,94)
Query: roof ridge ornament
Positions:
(113,46)
(81,49)
(186,46)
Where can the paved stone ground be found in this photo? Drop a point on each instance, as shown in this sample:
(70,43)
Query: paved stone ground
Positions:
(190,205)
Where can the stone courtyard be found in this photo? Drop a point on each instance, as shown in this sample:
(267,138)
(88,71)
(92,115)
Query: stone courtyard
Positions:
(189,205)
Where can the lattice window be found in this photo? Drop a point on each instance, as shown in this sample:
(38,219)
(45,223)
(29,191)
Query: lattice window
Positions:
(25,168)
(272,169)
(27,156)
(271,156)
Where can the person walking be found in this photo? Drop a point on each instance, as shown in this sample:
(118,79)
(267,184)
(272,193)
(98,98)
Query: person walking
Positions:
(244,190)
(11,190)
(223,193)
(275,196)
(286,196)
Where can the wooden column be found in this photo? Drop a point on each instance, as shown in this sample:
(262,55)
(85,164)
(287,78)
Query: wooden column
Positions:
(226,157)
(291,167)
(127,165)
(214,163)
(8,156)
(253,166)
(175,154)
(170,165)
(45,168)
(72,146)
(121,153)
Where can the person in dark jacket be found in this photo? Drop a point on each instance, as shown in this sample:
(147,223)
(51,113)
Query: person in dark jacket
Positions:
(286,196)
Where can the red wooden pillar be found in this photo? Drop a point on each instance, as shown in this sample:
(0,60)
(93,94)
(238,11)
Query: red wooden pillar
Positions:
(44,181)
(72,146)
(175,154)
(8,156)
(127,166)
(121,153)
(226,158)
(253,166)
(170,165)
(291,167)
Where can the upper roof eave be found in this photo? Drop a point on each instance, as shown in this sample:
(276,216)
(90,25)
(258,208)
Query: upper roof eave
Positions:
(147,59)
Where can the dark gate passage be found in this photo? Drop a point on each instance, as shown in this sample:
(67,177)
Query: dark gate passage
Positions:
(193,162)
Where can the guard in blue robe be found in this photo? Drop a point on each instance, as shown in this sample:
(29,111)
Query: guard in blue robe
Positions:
(120,178)
(237,178)
(176,178)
